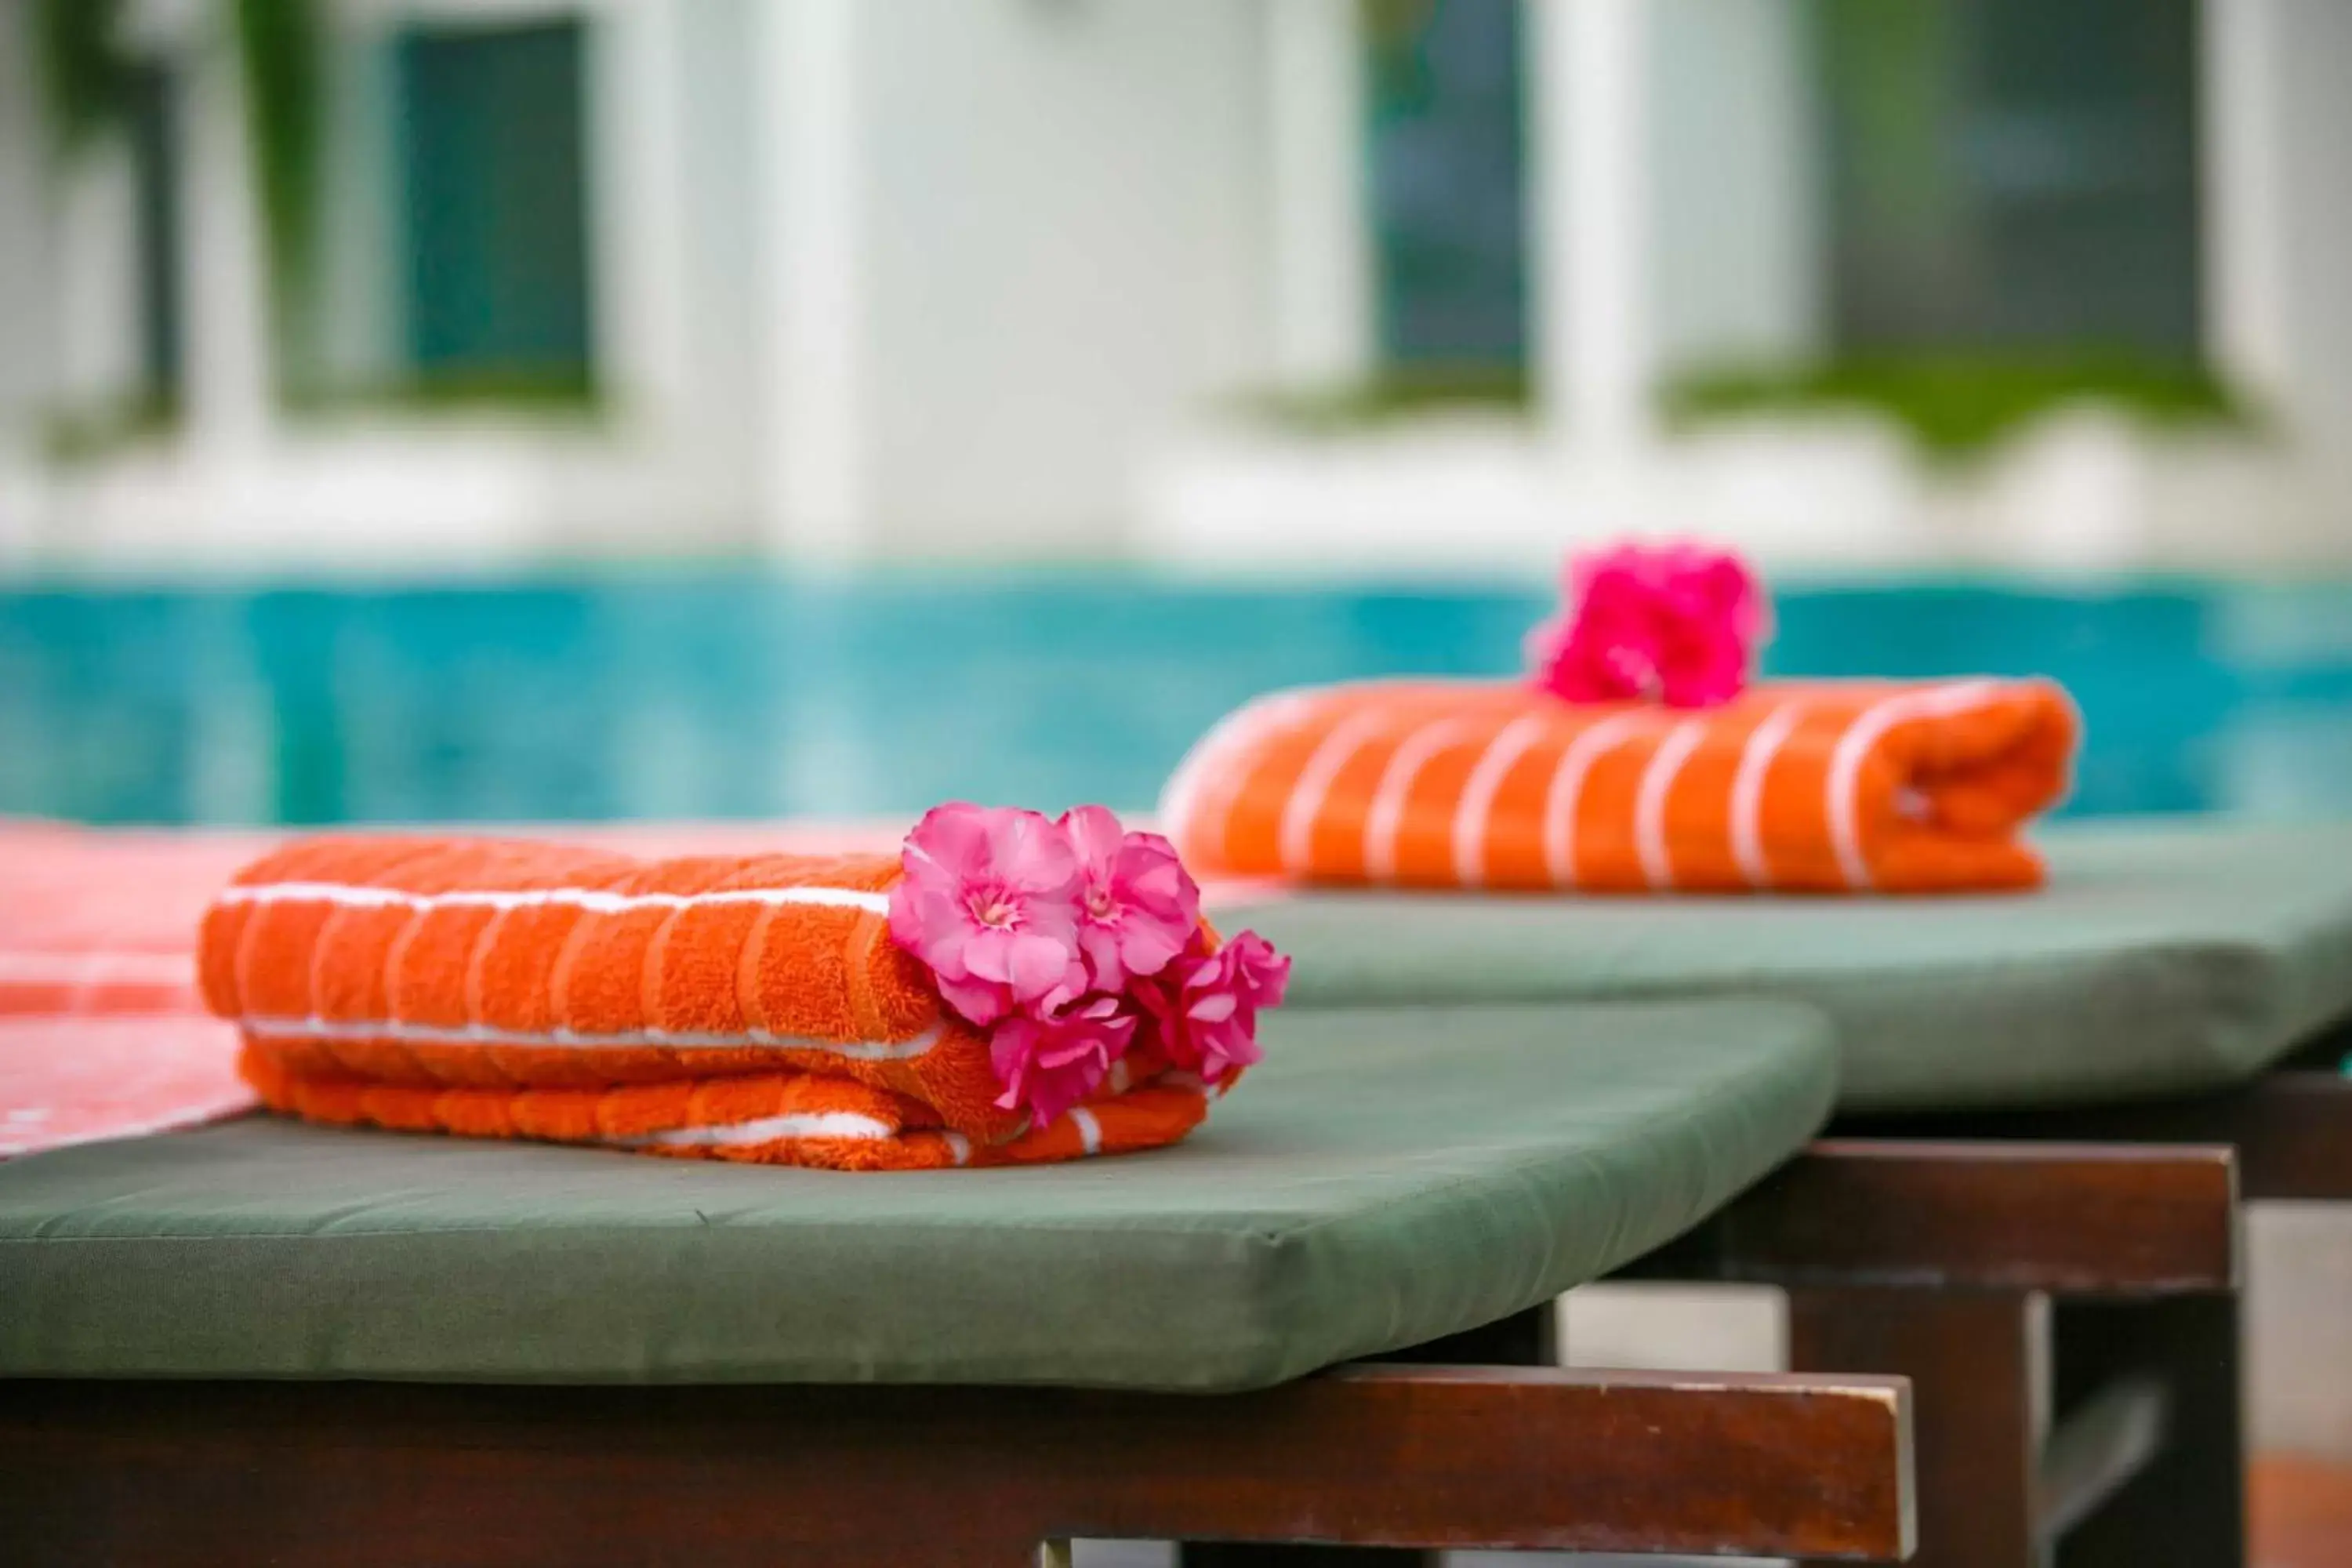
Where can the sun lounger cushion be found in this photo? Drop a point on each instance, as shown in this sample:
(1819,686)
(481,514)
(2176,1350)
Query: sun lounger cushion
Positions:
(2162,958)
(1386,1177)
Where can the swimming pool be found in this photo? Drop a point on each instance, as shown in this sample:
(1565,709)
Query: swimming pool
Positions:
(676,697)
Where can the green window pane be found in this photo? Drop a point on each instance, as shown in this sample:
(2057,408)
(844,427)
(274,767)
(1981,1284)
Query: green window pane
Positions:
(495,197)
(1449,210)
(2013,173)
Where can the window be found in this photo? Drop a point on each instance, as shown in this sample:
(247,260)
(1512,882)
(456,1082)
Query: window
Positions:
(151,121)
(494,194)
(1447,173)
(2013,173)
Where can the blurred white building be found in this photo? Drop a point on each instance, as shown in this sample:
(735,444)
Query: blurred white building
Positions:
(1026,279)
(1712,186)
(629,277)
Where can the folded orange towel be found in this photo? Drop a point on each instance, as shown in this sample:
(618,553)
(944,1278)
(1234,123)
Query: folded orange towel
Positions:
(721,1006)
(1816,786)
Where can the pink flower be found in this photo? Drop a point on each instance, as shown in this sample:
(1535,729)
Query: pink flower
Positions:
(1136,905)
(1204,1006)
(1051,1063)
(1677,623)
(989,904)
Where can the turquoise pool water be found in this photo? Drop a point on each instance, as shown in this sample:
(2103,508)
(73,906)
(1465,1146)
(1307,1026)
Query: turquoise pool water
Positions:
(746,696)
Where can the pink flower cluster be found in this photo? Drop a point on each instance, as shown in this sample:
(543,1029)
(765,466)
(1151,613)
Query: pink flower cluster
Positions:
(1677,622)
(1069,942)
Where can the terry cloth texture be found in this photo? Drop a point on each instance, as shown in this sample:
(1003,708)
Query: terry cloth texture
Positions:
(733,1007)
(1818,787)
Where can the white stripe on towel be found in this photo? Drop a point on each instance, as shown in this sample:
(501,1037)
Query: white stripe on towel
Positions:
(1650,800)
(1568,783)
(594,901)
(567,1039)
(1385,819)
(1089,1129)
(1756,757)
(766,1129)
(1845,763)
(1296,843)
(1485,782)
(1218,764)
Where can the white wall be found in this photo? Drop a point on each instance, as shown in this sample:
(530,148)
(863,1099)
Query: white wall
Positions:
(26,311)
(2316,106)
(25,342)
(1739,241)
(719,189)
(1065,254)
(361,283)
(1318,195)
(94,333)
(2278,223)
(670,150)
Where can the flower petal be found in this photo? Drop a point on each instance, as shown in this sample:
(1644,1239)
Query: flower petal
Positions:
(1145,947)
(954,838)
(1031,854)
(1094,833)
(1036,965)
(1677,622)
(976,1001)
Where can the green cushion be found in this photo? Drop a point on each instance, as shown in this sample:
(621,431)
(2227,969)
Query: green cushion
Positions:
(2161,958)
(1386,1177)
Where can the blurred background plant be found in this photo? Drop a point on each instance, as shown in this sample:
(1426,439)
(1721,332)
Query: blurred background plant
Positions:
(85,75)
(1959,409)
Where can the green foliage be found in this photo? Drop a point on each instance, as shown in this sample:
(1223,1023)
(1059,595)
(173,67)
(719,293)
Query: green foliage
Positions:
(86,436)
(278,46)
(85,75)
(1392,26)
(86,81)
(1955,408)
(1394,394)
(557,394)
(1888,76)
(1958,408)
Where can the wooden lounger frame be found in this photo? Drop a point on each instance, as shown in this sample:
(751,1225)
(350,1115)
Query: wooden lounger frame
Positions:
(2291,1132)
(2005,1280)
(2292,1128)
(2026,1289)
(354,1474)
(2061,1289)
(1954,1263)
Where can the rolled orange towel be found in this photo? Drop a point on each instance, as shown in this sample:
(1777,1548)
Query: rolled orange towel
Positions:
(1801,786)
(749,1008)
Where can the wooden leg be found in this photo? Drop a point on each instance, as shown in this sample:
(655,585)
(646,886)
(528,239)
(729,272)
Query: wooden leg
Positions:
(1921,1256)
(1523,1339)
(1975,1385)
(2190,1504)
